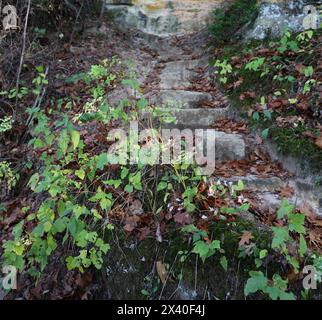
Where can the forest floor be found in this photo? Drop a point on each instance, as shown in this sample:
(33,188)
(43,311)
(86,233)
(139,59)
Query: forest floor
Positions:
(176,67)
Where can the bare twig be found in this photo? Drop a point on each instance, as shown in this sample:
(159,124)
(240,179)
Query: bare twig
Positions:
(36,104)
(22,55)
(102,11)
(76,20)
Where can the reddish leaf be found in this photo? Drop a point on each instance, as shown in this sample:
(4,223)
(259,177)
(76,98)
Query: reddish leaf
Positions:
(182,218)
(245,238)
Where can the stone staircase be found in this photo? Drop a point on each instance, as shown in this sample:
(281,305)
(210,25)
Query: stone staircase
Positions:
(190,108)
(168,29)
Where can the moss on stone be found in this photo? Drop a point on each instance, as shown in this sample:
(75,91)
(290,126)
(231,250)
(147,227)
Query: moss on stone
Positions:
(130,265)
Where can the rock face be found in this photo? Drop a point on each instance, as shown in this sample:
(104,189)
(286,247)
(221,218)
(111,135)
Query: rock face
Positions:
(166,17)
(163,17)
(276,16)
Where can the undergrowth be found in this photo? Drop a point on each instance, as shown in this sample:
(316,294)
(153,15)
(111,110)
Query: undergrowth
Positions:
(276,84)
(227,21)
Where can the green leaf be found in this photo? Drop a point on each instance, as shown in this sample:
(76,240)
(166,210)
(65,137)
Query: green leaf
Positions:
(128,188)
(131,83)
(63,142)
(202,249)
(17,230)
(105,204)
(285,209)
(80,174)
(265,133)
(224,262)
(268,114)
(145,292)
(34,181)
(215,245)
(102,161)
(255,116)
(60,225)
(292,101)
(75,138)
(296,222)
(124,173)
(257,282)
(303,246)
(47,226)
(263,254)
(281,236)
(162,185)
(240,186)
(142,104)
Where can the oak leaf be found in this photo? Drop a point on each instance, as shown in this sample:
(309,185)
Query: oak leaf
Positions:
(245,238)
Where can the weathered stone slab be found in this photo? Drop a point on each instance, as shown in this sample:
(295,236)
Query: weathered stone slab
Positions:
(182,98)
(178,74)
(221,146)
(199,118)
(190,118)
(275,16)
(256,183)
(164,17)
(229,146)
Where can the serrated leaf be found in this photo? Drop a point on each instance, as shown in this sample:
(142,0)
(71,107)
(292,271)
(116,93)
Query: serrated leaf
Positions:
(281,235)
(296,222)
(257,282)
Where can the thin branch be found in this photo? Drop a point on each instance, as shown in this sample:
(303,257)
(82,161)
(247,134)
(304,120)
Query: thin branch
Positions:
(22,54)
(76,20)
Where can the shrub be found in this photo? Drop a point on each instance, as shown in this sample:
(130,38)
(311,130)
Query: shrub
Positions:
(227,21)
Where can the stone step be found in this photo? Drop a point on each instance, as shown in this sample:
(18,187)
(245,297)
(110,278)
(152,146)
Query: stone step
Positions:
(219,146)
(178,74)
(181,99)
(187,118)
(257,183)
(229,146)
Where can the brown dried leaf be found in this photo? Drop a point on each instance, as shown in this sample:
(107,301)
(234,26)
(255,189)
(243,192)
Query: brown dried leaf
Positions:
(162,272)
(286,192)
(183,218)
(245,238)
(318,142)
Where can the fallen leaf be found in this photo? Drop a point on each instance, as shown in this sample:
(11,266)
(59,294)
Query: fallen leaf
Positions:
(286,192)
(238,82)
(135,208)
(258,139)
(245,238)
(162,272)
(318,142)
(183,218)
(131,223)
